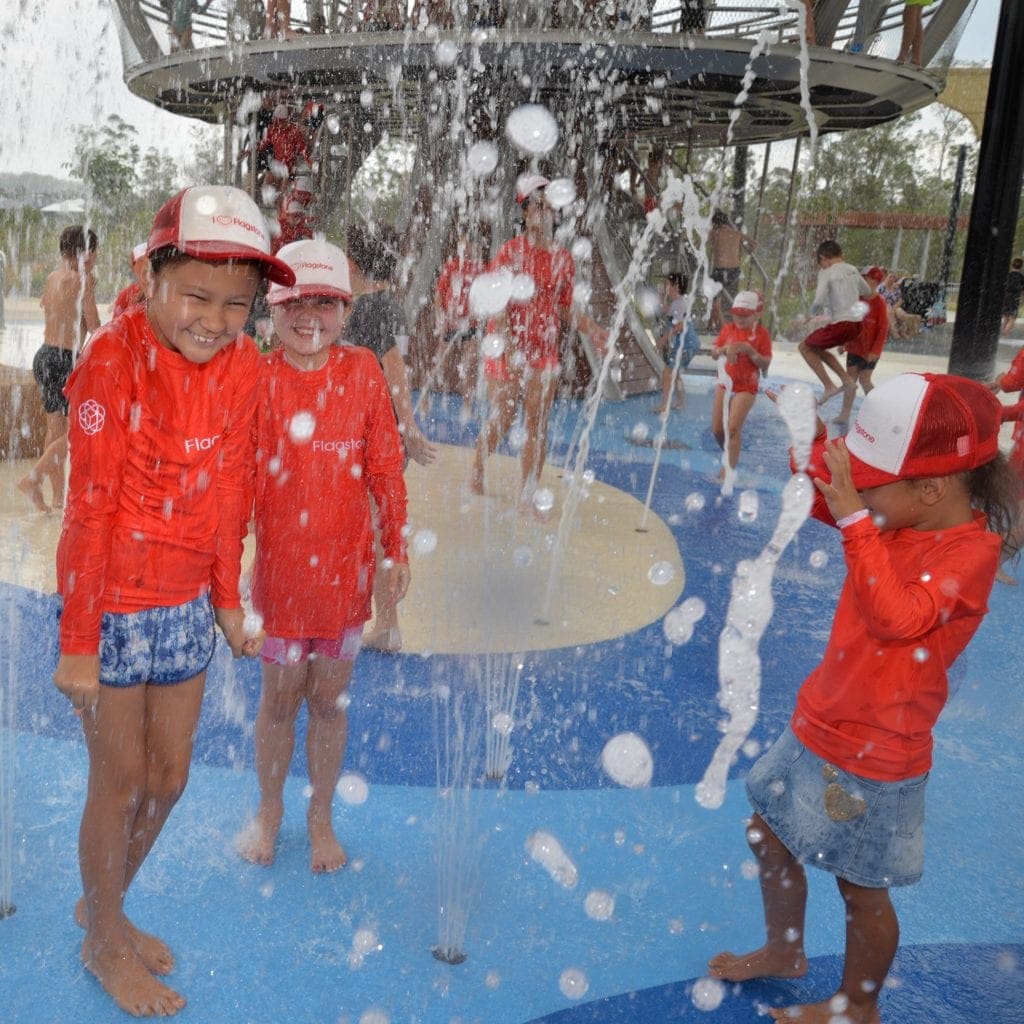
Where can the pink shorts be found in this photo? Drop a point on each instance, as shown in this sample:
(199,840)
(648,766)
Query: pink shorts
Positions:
(834,335)
(280,651)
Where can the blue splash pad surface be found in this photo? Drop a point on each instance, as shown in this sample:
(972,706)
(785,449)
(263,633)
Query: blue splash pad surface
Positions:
(274,944)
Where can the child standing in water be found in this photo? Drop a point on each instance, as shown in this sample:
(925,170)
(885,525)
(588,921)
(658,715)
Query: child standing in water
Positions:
(917,489)
(161,408)
(744,351)
(327,440)
(69,314)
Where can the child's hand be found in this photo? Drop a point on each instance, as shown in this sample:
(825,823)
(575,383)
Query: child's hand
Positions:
(418,448)
(840,495)
(77,676)
(243,644)
(396,583)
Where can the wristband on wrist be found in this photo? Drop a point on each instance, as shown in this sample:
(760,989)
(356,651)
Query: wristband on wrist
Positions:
(853,517)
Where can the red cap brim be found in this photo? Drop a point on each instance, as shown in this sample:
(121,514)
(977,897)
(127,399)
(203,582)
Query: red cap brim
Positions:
(865,477)
(274,269)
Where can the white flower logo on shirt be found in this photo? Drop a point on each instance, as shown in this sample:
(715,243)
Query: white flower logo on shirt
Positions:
(91,416)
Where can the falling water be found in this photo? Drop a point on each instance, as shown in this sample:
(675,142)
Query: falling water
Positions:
(750,604)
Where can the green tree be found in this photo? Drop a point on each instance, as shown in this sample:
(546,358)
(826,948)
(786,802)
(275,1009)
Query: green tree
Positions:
(105,158)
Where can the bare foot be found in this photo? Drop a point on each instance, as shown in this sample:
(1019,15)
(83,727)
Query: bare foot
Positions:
(257,840)
(827,1011)
(388,640)
(31,487)
(155,954)
(121,972)
(829,393)
(328,853)
(761,963)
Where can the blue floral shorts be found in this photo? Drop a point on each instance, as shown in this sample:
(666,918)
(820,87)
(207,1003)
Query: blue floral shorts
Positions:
(156,645)
(868,832)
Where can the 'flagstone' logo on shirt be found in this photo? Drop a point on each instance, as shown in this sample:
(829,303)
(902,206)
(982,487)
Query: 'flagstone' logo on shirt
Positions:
(200,444)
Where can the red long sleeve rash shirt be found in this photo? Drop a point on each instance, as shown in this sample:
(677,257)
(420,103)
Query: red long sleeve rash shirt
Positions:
(325,441)
(161,477)
(910,604)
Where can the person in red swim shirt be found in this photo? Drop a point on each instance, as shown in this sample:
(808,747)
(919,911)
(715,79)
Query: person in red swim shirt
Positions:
(863,353)
(456,325)
(1013,380)
(285,147)
(133,294)
(161,406)
(533,328)
(921,494)
(743,350)
(326,440)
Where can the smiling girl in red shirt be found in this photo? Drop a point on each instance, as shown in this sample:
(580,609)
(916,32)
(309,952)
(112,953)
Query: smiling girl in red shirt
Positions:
(326,440)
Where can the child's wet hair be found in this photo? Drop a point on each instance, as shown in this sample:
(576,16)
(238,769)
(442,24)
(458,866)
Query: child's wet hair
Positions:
(996,490)
(170,256)
(76,240)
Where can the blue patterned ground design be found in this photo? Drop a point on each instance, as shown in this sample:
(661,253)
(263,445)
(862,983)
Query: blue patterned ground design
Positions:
(271,945)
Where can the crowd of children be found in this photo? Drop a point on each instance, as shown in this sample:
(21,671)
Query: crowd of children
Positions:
(180,432)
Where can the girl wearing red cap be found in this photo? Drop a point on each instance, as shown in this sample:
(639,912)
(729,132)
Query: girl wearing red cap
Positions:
(526,373)
(326,440)
(160,411)
(925,503)
(744,348)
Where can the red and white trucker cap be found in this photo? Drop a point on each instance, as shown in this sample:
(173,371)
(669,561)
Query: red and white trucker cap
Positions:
(529,183)
(922,424)
(217,222)
(746,304)
(320,269)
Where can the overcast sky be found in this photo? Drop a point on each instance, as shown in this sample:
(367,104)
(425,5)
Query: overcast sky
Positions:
(61,66)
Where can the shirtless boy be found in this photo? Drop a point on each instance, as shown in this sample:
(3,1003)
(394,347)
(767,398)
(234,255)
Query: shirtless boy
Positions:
(69,314)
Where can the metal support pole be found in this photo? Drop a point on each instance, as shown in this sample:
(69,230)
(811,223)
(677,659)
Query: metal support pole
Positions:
(994,207)
(954,216)
(897,246)
(760,191)
(739,186)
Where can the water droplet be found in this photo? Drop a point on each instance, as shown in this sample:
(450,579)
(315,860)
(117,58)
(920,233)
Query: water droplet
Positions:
(366,98)
(818,559)
(599,905)
(492,345)
(581,293)
(581,249)
(547,851)
(921,654)
(446,52)
(560,193)
(482,158)
(640,432)
(747,507)
(627,760)
(694,502)
(424,542)
(522,557)
(749,870)
(573,983)
(489,294)
(301,427)
(523,287)
(648,301)
(252,623)
(543,499)
(502,723)
(532,129)
(352,788)
(661,573)
(492,979)
(517,436)
(675,926)
(707,994)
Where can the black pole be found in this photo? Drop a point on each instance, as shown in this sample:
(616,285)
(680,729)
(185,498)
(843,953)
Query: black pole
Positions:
(995,205)
(954,216)
(739,185)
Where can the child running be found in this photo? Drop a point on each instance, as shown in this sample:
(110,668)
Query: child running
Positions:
(161,409)
(863,353)
(838,299)
(744,347)
(924,501)
(327,440)
(679,333)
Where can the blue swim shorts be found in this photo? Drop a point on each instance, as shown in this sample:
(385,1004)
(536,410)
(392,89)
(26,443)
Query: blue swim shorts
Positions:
(156,645)
(871,833)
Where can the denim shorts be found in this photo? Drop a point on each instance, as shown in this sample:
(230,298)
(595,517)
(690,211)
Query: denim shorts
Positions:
(868,832)
(281,651)
(156,645)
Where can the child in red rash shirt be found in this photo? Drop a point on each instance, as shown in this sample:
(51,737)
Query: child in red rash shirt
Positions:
(160,412)
(915,488)
(745,350)
(326,440)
